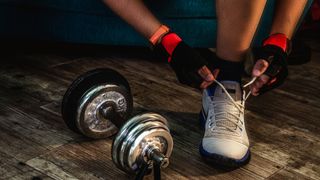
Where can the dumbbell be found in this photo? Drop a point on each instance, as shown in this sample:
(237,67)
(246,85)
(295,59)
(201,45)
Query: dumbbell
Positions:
(98,103)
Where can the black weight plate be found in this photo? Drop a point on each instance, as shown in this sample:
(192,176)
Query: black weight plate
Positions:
(82,84)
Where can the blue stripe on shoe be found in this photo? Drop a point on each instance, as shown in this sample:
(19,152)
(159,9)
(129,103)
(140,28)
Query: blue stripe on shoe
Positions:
(202,115)
(202,119)
(211,90)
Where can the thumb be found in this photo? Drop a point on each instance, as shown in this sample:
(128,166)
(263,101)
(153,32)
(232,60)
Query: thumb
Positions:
(259,68)
(206,74)
(215,73)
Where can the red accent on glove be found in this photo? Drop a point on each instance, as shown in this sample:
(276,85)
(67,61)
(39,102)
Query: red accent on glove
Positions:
(170,42)
(279,40)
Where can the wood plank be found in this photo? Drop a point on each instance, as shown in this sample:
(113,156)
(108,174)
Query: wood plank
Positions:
(86,160)
(17,170)
(49,168)
(287,174)
(26,137)
(286,145)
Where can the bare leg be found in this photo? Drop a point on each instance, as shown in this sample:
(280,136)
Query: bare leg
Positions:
(135,13)
(237,24)
(288,14)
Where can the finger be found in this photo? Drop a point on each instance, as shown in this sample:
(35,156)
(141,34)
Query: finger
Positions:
(206,74)
(272,80)
(253,88)
(264,79)
(216,73)
(254,92)
(258,84)
(205,84)
(259,68)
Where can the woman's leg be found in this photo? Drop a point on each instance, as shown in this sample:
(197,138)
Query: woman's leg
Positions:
(237,24)
(287,16)
(225,141)
(135,13)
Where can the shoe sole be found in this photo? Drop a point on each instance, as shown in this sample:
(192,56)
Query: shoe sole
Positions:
(222,161)
(219,160)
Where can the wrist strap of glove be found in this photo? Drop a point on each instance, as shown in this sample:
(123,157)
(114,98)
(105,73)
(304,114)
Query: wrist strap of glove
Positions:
(167,45)
(275,48)
(160,32)
(279,40)
(170,42)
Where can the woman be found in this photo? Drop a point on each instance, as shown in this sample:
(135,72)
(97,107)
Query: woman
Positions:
(225,140)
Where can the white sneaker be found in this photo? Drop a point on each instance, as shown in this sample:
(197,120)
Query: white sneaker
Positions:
(225,140)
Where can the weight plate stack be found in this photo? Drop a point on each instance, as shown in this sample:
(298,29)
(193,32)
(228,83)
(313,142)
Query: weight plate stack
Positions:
(140,136)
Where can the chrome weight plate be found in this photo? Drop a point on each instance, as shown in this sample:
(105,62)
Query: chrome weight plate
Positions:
(137,137)
(124,153)
(153,138)
(95,99)
(96,108)
(127,128)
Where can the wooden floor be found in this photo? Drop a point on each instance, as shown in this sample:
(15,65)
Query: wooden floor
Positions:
(283,126)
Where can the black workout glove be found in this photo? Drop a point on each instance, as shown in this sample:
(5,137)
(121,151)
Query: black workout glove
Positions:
(186,62)
(275,51)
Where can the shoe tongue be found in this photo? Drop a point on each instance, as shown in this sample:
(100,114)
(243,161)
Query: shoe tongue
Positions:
(233,89)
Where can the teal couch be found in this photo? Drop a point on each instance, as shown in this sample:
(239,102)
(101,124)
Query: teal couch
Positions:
(90,22)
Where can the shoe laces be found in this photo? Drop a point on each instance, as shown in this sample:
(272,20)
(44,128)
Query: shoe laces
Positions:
(229,120)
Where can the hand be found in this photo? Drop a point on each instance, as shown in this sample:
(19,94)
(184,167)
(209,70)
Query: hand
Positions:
(271,65)
(259,68)
(191,68)
(207,76)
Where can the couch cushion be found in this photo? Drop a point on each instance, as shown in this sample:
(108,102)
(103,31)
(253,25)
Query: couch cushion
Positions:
(162,8)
